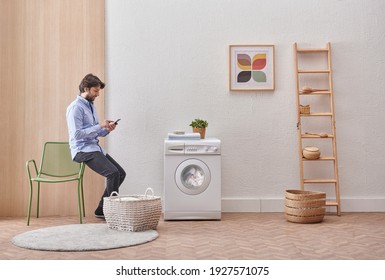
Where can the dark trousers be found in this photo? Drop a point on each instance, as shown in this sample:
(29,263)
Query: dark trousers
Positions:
(106,166)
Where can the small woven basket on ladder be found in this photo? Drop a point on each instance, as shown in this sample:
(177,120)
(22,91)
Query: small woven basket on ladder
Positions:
(132,212)
(304,206)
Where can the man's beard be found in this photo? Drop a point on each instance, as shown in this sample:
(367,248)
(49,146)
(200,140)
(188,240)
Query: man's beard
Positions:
(89,97)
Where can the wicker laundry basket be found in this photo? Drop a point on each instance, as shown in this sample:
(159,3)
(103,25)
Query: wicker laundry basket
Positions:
(304,206)
(133,212)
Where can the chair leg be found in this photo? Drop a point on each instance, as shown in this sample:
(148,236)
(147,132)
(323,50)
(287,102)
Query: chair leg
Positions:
(84,209)
(29,202)
(38,199)
(79,202)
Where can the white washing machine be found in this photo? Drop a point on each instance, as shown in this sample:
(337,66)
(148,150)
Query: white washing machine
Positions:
(192,179)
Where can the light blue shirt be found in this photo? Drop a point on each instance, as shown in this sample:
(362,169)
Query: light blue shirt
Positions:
(83,127)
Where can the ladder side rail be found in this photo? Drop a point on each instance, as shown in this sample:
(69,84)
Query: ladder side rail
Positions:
(299,129)
(333,127)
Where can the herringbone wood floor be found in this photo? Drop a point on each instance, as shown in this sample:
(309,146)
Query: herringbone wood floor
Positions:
(240,236)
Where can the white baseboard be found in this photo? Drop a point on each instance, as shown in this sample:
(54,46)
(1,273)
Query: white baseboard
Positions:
(277,205)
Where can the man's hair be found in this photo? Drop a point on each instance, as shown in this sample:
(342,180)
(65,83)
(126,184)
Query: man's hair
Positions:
(90,81)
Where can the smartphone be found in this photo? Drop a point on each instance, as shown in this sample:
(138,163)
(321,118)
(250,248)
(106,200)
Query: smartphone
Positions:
(116,122)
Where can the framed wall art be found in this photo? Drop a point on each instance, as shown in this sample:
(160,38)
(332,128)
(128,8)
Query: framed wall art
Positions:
(251,67)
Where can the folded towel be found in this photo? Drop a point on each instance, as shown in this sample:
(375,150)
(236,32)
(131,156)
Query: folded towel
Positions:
(186,136)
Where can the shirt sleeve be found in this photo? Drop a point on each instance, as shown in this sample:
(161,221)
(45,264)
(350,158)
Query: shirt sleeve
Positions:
(103,132)
(75,125)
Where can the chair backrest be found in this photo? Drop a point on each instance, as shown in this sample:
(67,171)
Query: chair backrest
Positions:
(57,161)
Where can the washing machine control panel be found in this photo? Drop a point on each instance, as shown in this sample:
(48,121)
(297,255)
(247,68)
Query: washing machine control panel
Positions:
(193,147)
(201,149)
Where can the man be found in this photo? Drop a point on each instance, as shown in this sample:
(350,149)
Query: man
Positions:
(84,129)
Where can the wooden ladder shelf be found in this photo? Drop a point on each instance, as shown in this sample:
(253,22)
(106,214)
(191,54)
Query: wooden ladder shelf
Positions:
(305,78)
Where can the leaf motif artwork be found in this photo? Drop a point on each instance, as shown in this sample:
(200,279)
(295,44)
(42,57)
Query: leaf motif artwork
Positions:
(252,67)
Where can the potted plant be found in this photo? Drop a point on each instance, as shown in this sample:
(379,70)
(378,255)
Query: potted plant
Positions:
(199,125)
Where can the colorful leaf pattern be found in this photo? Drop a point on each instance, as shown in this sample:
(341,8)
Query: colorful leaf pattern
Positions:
(251,68)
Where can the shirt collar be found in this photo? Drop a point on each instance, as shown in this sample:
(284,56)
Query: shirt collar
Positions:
(85,101)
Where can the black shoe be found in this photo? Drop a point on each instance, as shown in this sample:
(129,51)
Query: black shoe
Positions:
(99,213)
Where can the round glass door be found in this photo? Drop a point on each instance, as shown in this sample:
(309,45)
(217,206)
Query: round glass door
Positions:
(192,176)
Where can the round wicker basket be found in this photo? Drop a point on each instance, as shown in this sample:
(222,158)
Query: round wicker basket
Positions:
(132,212)
(311,153)
(304,206)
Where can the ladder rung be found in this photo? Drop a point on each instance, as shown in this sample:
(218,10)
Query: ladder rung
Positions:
(320,158)
(331,203)
(316,114)
(316,136)
(312,71)
(312,50)
(316,93)
(320,181)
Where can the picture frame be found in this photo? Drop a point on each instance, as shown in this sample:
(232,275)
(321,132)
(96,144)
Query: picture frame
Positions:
(251,68)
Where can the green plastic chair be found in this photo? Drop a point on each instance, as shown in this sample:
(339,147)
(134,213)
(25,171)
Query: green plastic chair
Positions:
(56,166)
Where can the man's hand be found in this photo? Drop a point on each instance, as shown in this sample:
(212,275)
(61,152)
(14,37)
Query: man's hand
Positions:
(108,125)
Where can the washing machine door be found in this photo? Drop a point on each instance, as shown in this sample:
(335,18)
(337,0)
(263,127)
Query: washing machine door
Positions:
(192,176)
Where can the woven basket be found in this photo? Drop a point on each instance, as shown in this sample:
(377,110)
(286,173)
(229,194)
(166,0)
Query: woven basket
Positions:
(304,109)
(304,206)
(311,153)
(132,213)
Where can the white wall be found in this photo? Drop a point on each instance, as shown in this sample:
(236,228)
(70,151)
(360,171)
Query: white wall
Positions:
(167,63)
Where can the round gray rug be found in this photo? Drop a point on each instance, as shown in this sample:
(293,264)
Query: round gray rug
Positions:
(81,237)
